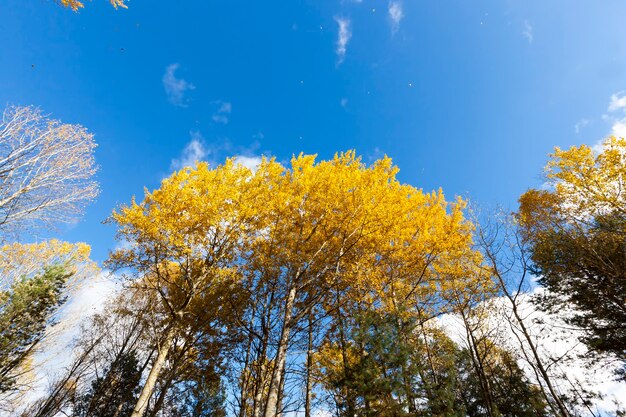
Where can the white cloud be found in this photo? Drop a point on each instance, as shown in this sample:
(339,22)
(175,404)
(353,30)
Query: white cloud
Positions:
(395,15)
(223,111)
(345,33)
(528,32)
(581,124)
(619,128)
(193,152)
(197,149)
(617,106)
(175,88)
(250,162)
(618,101)
(616,116)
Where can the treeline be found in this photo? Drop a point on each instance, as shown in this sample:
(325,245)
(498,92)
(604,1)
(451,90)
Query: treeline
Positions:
(323,288)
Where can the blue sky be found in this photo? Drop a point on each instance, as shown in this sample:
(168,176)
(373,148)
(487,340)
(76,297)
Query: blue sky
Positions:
(469,96)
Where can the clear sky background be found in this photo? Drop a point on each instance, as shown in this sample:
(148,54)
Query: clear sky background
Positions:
(469,96)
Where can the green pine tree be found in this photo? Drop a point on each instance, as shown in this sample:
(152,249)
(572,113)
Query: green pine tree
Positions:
(25,312)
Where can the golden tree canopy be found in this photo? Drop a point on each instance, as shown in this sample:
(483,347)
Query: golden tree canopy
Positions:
(314,224)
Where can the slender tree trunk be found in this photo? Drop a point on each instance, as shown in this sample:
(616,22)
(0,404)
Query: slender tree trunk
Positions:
(406,377)
(309,365)
(410,398)
(260,388)
(148,388)
(261,375)
(245,382)
(538,361)
(491,251)
(261,357)
(118,410)
(161,398)
(281,393)
(108,386)
(271,407)
(347,372)
(479,367)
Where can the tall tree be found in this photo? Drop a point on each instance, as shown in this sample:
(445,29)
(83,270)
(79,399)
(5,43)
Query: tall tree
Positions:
(384,364)
(511,393)
(185,239)
(34,282)
(577,235)
(507,256)
(25,310)
(46,170)
(336,227)
(284,241)
(108,343)
(114,393)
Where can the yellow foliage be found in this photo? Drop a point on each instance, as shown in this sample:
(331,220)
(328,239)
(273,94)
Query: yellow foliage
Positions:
(588,183)
(312,225)
(25,260)
(300,236)
(75,5)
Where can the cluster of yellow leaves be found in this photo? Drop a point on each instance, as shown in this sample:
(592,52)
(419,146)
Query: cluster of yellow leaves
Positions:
(25,260)
(587,183)
(330,362)
(196,214)
(75,5)
(583,185)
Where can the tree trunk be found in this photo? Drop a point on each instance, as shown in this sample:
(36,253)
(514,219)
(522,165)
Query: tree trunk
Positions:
(161,398)
(148,388)
(479,367)
(281,393)
(309,365)
(261,375)
(246,376)
(271,408)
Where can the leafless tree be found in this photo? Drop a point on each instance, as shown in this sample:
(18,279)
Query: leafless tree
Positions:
(46,170)
(507,256)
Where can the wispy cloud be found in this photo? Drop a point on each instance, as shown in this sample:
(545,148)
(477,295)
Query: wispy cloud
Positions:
(222,112)
(343,37)
(618,105)
(616,116)
(395,15)
(175,88)
(195,150)
(528,31)
(581,124)
(618,101)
